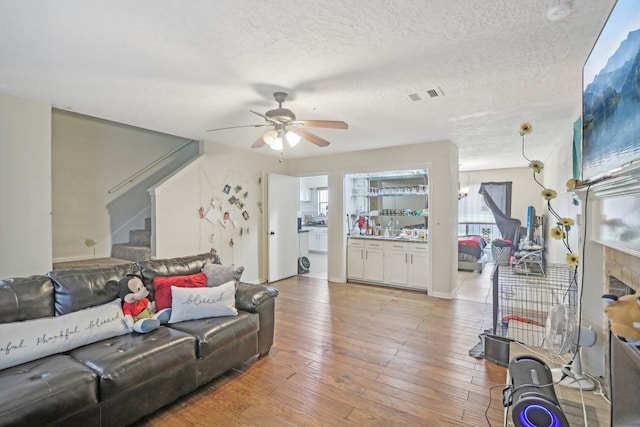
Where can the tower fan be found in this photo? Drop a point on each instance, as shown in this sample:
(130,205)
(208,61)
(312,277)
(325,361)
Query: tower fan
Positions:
(563,335)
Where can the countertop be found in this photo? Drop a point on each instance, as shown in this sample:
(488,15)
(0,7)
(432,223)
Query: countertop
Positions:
(390,239)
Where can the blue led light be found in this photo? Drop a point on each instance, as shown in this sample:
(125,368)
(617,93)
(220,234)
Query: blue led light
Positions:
(526,422)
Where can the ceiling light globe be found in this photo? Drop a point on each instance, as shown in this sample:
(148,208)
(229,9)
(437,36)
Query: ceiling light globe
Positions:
(277,144)
(270,136)
(292,138)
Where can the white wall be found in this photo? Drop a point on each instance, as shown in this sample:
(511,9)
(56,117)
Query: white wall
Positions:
(25,187)
(91,156)
(442,160)
(179,230)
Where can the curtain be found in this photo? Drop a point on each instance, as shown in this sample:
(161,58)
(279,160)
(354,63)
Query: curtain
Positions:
(497,196)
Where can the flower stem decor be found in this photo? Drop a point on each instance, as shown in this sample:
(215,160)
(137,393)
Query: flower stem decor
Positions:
(563,225)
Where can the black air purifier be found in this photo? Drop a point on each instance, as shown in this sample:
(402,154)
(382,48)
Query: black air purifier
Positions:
(532,395)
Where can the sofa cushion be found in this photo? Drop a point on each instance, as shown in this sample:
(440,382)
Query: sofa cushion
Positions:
(32,339)
(127,361)
(48,390)
(218,274)
(25,298)
(214,333)
(162,286)
(78,289)
(198,303)
(174,266)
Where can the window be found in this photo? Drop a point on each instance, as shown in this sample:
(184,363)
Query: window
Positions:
(323,200)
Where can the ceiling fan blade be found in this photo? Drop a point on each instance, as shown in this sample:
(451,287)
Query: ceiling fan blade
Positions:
(332,124)
(314,139)
(259,143)
(267,118)
(236,127)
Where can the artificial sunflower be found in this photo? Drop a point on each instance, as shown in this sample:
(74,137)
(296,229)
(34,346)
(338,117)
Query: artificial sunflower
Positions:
(573,183)
(536,165)
(557,233)
(525,128)
(549,194)
(566,222)
(573,260)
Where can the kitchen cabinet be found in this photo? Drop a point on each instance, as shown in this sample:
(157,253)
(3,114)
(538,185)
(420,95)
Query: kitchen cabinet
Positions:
(389,262)
(318,239)
(374,261)
(365,260)
(406,264)
(355,259)
(419,271)
(396,259)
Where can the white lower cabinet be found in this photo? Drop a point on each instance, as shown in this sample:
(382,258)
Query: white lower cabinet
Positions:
(389,262)
(396,261)
(373,261)
(419,272)
(355,259)
(365,260)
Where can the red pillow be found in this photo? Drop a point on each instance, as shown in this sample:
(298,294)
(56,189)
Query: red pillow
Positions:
(163,284)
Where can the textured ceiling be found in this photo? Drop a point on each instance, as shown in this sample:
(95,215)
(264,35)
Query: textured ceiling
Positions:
(185,66)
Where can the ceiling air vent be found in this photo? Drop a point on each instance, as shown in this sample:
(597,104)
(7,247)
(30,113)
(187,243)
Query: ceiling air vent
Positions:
(431,93)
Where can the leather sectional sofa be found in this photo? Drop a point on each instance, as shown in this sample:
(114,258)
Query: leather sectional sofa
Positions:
(117,380)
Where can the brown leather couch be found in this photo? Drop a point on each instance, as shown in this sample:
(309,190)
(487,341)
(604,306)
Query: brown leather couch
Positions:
(116,381)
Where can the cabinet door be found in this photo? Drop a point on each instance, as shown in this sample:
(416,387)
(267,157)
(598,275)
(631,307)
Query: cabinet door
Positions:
(313,240)
(419,272)
(374,265)
(323,241)
(355,262)
(395,267)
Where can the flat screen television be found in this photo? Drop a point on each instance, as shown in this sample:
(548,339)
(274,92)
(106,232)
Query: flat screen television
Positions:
(611,95)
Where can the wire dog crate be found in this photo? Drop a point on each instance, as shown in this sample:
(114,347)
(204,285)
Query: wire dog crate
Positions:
(521,302)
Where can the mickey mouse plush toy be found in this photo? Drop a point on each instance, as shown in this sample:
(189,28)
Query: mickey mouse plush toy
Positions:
(139,311)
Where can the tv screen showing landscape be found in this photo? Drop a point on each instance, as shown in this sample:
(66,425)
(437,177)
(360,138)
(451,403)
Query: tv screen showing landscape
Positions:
(611,94)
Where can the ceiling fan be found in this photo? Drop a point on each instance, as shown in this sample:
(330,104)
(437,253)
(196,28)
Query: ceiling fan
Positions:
(284,126)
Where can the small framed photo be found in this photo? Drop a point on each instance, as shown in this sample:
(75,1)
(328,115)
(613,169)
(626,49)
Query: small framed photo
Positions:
(245,215)
(239,204)
(232,200)
(226,189)
(237,189)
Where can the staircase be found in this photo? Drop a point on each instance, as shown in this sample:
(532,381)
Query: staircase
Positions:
(139,246)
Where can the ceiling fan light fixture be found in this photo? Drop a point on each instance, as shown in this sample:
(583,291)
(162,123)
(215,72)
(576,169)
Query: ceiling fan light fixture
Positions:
(270,136)
(292,138)
(277,143)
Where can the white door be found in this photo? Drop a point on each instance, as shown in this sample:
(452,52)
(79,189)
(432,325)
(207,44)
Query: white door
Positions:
(282,192)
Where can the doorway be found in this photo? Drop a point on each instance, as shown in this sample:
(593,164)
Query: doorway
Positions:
(314,225)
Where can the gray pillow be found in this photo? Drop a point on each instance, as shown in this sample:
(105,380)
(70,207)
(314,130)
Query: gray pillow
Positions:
(218,274)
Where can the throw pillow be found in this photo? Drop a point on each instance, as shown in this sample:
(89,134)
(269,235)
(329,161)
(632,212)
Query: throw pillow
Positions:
(199,303)
(218,274)
(162,286)
(32,339)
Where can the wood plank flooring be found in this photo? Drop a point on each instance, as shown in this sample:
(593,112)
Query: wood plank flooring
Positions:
(355,355)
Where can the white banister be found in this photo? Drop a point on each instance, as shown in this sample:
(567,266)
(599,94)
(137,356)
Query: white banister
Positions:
(149,166)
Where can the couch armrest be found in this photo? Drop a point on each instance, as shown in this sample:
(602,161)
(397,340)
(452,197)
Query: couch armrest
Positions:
(250,297)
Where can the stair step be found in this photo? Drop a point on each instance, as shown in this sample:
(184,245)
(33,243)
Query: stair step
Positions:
(131,252)
(140,237)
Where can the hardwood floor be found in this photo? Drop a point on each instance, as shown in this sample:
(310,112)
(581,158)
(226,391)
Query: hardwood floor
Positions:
(355,355)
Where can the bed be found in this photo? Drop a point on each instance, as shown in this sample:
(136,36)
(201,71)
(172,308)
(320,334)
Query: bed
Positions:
(471,254)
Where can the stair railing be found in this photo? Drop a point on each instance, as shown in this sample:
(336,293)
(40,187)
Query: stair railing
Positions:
(132,178)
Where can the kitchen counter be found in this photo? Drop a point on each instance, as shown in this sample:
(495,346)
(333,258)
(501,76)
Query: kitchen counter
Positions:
(390,239)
